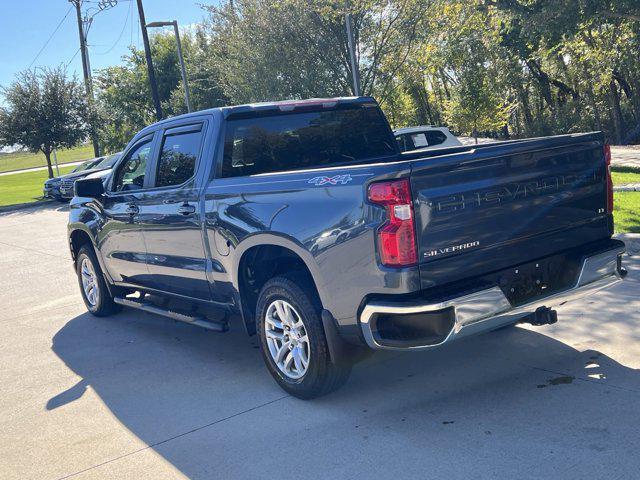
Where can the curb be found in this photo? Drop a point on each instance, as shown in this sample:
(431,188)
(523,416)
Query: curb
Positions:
(25,206)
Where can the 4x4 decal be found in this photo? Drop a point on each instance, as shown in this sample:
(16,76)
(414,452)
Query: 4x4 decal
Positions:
(335,180)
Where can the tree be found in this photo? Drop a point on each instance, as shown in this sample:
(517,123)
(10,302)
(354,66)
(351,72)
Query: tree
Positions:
(504,67)
(44,111)
(475,106)
(124,103)
(286,49)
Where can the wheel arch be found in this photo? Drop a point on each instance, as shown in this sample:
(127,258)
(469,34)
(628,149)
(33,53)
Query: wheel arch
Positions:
(262,257)
(79,237)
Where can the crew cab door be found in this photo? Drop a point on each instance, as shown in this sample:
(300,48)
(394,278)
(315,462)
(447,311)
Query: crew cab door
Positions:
(170,212)
(121,242)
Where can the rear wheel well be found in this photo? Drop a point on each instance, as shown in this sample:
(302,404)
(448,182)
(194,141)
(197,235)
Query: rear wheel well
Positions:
(261,263)
(79,239)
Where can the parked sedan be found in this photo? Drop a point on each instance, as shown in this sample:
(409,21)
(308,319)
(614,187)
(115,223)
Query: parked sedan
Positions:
(67,181)
(425,137)
(52,186)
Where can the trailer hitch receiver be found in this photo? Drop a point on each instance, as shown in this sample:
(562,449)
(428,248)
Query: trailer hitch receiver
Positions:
(542,316)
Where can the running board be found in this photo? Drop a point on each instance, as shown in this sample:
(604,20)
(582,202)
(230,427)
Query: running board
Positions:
(165,312)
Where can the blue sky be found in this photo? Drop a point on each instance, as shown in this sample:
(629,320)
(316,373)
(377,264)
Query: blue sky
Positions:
(25,26)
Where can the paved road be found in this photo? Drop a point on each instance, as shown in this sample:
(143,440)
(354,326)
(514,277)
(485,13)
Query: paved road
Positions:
(625,156)
(138,396)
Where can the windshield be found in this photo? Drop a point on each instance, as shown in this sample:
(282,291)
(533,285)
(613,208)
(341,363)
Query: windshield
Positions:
(109,161)
(87,165)
(306,140)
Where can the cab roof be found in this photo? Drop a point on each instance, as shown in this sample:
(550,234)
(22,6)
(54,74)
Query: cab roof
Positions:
(280,106)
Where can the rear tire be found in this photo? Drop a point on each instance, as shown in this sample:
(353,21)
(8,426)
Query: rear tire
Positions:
(93,286)
(289,323)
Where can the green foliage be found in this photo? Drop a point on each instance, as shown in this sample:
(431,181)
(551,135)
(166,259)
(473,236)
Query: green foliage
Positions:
(506,68)
(475,106)
(45,110)
(124,99)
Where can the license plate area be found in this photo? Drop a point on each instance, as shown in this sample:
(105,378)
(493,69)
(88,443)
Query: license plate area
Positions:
(533,280)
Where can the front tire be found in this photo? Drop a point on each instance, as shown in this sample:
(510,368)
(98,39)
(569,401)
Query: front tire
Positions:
(93,287)
(292,339)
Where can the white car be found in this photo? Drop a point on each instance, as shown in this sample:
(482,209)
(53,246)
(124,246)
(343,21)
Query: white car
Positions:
(425,137)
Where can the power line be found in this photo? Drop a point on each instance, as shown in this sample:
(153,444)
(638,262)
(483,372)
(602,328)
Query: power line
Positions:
(51,36)
(74,56)
(126,20)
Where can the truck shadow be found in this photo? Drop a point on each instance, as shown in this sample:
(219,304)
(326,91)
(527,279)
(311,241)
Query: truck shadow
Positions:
(496,396)
(31,210)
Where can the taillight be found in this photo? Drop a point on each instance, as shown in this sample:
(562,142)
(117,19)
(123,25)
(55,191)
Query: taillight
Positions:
(396,238)
(607,159)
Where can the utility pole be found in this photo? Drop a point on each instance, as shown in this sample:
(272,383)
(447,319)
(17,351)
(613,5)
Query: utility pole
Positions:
(183,70)
(355,72)
(86,70)
(147,54)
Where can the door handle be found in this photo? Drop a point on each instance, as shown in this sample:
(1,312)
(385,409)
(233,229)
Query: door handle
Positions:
(186,209)
(132,209)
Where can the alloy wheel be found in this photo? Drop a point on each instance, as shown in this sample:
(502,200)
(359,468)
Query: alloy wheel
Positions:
(89,282)
(287,339)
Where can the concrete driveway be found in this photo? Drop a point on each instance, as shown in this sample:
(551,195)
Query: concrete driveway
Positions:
(138,396)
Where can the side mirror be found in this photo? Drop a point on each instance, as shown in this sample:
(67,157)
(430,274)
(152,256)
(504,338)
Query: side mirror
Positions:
(88,187)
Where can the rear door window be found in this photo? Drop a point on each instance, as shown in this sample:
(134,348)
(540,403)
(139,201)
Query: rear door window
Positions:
(309,139)
(178,155)
(435,137)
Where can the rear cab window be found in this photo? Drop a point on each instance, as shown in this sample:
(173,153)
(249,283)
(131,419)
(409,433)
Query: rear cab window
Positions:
(323,137)
(178,155)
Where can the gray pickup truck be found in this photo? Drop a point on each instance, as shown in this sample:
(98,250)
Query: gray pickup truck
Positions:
(304,223)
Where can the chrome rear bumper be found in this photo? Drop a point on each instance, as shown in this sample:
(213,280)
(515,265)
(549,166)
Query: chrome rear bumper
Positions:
(489,309)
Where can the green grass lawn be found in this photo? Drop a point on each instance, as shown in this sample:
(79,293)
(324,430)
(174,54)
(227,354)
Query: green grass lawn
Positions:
(24,187)
(626,212)
(20,160)
(624,175)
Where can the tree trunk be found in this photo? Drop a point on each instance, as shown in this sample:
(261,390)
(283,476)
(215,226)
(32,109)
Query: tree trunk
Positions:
(594,107)
(421,100)
(616,112)
(635,101)
(47,155)
(447,94)
(526,109)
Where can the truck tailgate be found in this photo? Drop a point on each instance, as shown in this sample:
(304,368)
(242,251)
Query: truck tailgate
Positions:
(505,204)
